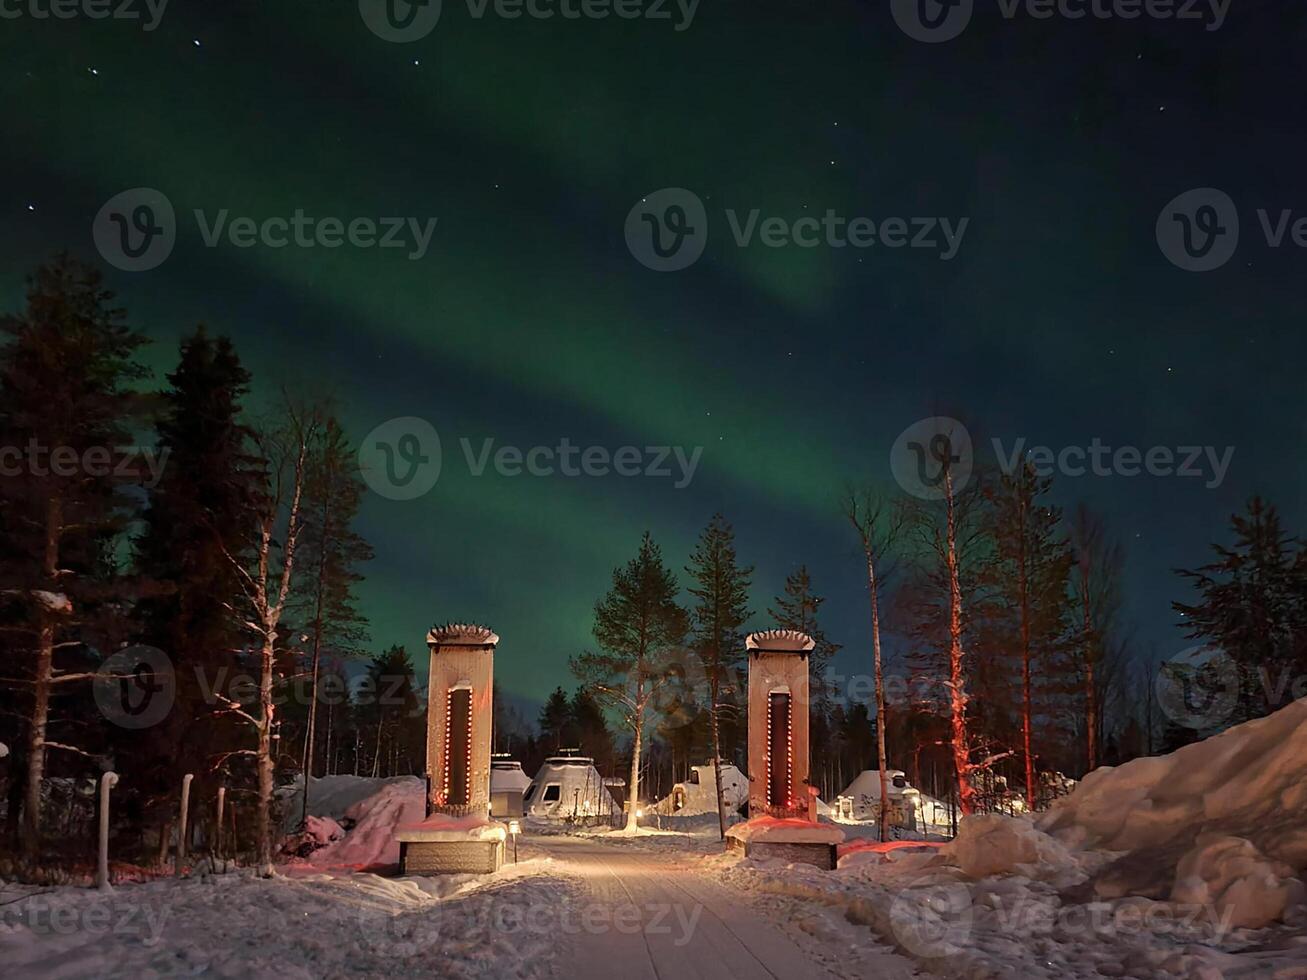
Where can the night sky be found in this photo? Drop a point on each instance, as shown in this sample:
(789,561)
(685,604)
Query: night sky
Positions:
(528,320)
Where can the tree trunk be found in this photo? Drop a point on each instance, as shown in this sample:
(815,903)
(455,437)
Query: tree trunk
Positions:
(1023,587)
(632,821)
(36,743)
(717,766)
(54,520)
(1091,695)
(881,760)
(264,820)
(961,741)
(307,767)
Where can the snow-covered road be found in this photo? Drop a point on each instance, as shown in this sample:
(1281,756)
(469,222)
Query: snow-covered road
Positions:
(659,914)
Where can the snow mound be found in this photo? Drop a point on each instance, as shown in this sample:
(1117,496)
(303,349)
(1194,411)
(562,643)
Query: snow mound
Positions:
(371,842)
(994,844)
(330,796)
(1221,821)
(1232,876)
(323,830)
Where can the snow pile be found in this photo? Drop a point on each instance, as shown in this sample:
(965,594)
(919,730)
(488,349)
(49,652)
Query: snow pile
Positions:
(323,830)
(330,796)
(1231,875)
(1223,820)
(372,821)
(993,844)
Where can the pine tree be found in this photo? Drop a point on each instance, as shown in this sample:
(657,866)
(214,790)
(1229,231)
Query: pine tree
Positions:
(721,587)
(798,609)
(1031,577)
(65,373)
(586,719)
(332,551)
(640,631)
(1253,605)
(1096,594)
(197,514)
(554,716)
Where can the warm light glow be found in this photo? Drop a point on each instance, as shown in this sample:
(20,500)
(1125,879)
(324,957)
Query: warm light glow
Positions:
(514,827)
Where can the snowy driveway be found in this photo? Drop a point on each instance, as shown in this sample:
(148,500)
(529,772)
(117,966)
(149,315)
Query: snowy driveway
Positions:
(656,915)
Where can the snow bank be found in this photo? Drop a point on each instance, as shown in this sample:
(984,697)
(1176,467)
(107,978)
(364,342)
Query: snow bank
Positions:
(993,844)
(370,841)
(323,830)
(331,796)
(1241,883)
(1223,820)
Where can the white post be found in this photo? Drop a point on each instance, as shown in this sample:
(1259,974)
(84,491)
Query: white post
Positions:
(107,782)
(217,837)
(181,829)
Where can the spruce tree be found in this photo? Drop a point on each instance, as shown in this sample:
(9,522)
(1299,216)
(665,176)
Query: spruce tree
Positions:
(721,587)
(196,517)
(554,716)
(1252,605)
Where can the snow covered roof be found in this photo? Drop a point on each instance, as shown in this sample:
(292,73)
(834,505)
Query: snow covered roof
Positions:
(867,783)
(780,641)
(462,634)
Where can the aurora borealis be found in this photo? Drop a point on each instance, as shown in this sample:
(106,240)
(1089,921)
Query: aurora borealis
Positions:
(527,321)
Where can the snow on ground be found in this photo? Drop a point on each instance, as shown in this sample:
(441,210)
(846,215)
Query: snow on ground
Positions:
(303,925)
(1185,866)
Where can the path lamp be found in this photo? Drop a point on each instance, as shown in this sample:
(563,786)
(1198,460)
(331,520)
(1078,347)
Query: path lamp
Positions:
(514,828)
